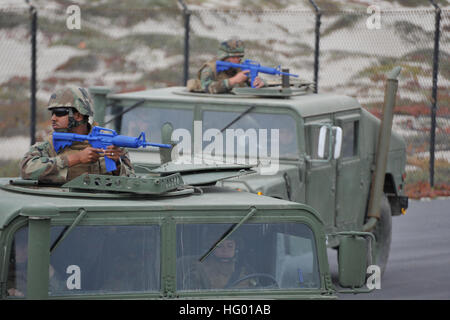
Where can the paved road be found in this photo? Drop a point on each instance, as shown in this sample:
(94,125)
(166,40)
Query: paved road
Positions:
(419,261)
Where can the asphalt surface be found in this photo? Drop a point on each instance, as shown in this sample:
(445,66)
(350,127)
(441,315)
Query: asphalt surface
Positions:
(419,262)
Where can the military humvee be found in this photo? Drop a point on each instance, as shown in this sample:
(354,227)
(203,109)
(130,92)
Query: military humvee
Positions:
(150,236)
(154,235)
(315,149)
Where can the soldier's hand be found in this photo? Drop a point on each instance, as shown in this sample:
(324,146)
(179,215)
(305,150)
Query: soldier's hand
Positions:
(87,155)
(13,292)
(258,83)
(240,77)
(113,152)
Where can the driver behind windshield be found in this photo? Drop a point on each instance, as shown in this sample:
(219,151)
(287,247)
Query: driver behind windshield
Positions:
(222,269)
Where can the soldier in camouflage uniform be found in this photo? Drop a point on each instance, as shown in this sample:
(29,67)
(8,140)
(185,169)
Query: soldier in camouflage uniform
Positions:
(221,269)
(71,108)
(210,81)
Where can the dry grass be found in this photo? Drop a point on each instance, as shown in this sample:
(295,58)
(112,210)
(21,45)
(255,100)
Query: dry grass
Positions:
(9,168)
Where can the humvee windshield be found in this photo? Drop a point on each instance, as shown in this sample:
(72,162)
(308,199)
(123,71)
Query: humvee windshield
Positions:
(150,121)
(255,256)
(248,141)
(96,260)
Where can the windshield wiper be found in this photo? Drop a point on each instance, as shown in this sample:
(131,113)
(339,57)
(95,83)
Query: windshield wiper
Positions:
(134,106)
(67,230)
(238,118)
(228,233)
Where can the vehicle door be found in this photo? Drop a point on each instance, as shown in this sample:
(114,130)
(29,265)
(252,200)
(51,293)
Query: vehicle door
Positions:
(320,139)
(351,189)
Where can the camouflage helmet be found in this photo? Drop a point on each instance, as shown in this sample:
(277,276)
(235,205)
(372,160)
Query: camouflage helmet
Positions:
(72,97)
(231,48)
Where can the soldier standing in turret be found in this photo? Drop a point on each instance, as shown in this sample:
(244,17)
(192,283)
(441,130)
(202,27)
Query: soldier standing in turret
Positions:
(71,108)
(210,81)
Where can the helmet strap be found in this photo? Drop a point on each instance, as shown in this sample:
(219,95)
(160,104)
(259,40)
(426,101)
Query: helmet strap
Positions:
(74,123)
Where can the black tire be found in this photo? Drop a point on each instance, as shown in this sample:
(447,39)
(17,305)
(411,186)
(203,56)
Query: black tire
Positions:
(383,235)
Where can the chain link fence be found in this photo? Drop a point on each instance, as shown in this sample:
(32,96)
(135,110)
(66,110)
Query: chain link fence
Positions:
(15,57)
(129,47)
(123,49)
(271,37)
(354,59)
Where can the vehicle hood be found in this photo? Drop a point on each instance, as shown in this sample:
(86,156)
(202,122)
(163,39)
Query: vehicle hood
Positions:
(267,184)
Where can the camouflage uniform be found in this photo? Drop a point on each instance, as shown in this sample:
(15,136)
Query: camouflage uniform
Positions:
(209,81)
(213,273)
(216,272)
(43,163)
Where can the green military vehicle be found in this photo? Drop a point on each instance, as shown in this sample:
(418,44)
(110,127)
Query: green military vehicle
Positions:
(157,235)
(181,230)
(315,149)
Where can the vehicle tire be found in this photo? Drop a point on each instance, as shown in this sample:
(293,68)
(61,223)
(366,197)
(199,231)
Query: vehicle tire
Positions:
(383,235)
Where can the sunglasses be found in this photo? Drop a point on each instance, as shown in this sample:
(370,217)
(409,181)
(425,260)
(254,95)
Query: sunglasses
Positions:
(60,112)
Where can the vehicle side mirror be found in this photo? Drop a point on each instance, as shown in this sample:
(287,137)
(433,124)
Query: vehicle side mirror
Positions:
(166,138)
(321,142)
(337,142)
(326,141)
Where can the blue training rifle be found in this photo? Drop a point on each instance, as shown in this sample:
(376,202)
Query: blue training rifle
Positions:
(101,138)
(254,68)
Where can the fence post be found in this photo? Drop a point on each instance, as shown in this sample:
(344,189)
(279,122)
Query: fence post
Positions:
(33,13)
(437,34)
(187,18)
(317,44)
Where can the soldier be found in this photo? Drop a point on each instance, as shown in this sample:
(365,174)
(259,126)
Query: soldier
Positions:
(220,270)
(209,81)
(71,108)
